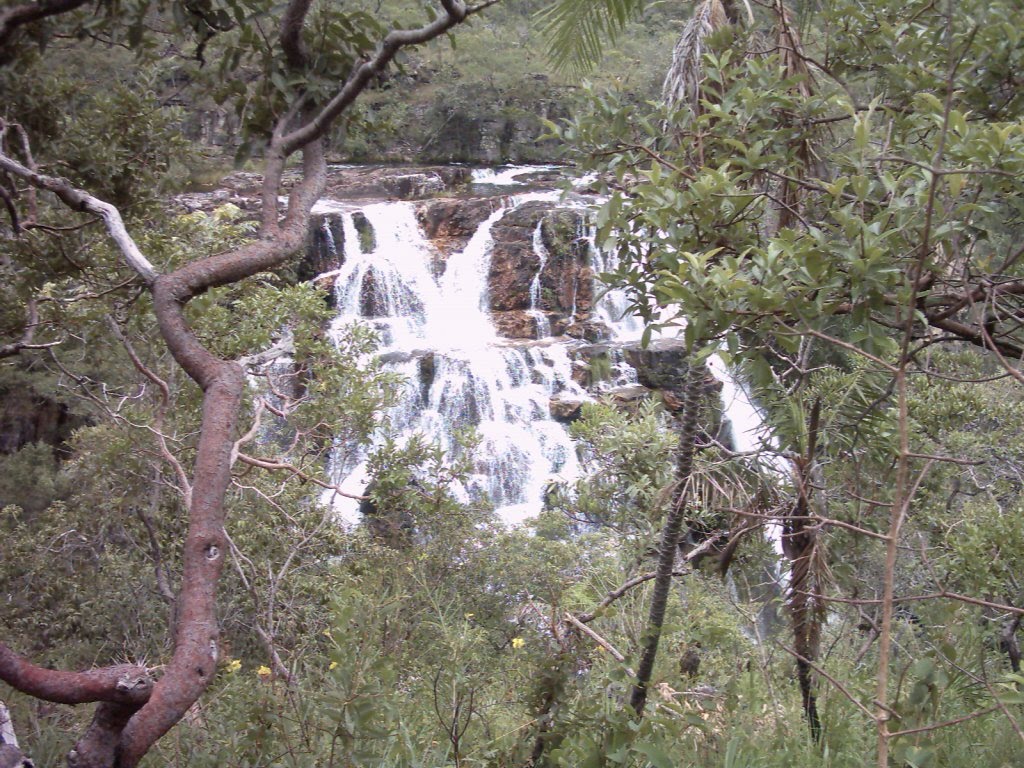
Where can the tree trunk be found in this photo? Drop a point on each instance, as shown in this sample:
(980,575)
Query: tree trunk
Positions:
(134,712)
(694,391)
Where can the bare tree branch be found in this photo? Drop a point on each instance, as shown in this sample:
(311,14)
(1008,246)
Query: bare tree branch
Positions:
(361,76)
(117,683)
(78,200)
(31,323)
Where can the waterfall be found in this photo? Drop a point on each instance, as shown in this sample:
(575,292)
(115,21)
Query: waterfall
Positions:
(499,387)
(543,327)
(436,331)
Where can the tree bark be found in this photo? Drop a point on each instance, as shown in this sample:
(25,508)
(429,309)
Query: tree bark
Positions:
(670,536)
(135,712)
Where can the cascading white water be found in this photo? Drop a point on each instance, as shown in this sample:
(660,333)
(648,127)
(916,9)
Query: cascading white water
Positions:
(437,333)
(543,327)
(509,175)
(502,389)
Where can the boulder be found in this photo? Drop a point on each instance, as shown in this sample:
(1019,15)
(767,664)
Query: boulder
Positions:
(594,364)
(628,397)
(523,324)
(425,369)
(515,324)
(364,229)
(662,364)
(565,409)
(325,246)
(589,330)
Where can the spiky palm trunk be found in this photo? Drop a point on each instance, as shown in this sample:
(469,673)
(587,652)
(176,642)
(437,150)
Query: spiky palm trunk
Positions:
(808,570)
(805,606)
(694,389)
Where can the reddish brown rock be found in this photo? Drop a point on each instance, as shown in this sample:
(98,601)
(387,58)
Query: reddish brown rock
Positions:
(514,263)
(450,223)
(522,324)
(567,281)
(515,324)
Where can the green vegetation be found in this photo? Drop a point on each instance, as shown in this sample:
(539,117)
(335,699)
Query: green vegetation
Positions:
(830,199)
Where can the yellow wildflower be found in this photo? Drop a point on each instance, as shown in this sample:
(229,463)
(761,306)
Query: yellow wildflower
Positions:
(518,642)
(233,666)
(469,616)
(334,665)
(263,671)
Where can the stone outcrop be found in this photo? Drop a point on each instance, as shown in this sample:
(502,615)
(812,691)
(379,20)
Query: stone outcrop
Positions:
(565,286)
(630,396)
(662,364)
(325,246)
(565,409)
(524,324)
(564,293)
(28,417)
(395,183)
(451,222)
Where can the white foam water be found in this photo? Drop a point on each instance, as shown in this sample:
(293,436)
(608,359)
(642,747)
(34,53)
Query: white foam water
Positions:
(500,389)
(438,334)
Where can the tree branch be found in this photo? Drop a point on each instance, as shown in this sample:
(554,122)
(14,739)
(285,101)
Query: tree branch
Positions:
(123,683)
(78,200)
(455,12)
(20,15)
(31,323)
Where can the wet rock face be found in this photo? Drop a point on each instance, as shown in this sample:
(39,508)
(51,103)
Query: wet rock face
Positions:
(514,263)
(325,246)
(565,282)
(662,364)
(567,279)
(450,223)
(565,409)
(523,324)
(559,287)
(364,229)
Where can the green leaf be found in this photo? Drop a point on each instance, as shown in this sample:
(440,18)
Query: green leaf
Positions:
(655,755)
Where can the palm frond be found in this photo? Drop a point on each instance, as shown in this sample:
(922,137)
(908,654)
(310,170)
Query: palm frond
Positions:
(577,31)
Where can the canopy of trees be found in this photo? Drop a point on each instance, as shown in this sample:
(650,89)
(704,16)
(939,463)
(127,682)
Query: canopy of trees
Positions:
(827,196)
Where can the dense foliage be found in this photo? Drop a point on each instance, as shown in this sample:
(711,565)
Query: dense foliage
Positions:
(830,200)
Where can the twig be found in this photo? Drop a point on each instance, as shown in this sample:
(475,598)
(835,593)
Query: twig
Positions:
(599,640)
(945,723)
(268,464)
(839,686)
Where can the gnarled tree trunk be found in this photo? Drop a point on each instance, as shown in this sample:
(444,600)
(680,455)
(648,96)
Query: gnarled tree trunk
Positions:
(134,711)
